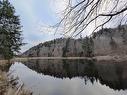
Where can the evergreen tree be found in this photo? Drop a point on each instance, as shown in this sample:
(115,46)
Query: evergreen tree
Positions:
(10,30)
(88,47)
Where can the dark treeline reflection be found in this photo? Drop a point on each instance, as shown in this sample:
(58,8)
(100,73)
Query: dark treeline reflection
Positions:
(113,75)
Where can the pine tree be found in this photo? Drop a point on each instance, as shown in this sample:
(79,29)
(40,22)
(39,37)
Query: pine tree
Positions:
(10,30)
(88,46)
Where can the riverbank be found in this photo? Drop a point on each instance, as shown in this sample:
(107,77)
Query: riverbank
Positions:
(8,86)
(107,58)
(117,58)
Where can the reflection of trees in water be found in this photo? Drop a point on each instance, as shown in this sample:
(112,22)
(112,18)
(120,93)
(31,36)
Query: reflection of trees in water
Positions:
(89,70)
(115,76)
(66,68)
(91,79)
(112,75)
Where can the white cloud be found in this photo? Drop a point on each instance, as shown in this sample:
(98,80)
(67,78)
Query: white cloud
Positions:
(58,6)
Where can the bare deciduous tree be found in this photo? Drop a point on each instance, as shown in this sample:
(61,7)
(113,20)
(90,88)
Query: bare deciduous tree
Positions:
(82,14)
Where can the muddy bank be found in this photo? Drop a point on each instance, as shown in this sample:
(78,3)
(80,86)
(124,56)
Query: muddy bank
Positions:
(8,86)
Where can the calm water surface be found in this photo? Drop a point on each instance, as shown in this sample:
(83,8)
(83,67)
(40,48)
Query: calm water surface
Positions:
(71,77)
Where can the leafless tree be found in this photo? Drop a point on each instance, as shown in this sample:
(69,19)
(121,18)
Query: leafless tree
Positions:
(81,14)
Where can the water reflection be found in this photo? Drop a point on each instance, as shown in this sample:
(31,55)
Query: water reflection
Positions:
(72,77)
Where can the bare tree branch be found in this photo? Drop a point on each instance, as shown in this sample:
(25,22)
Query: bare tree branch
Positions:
(80,15)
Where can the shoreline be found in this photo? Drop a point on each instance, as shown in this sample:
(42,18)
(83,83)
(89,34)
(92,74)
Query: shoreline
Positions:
(117,58)
(8,86)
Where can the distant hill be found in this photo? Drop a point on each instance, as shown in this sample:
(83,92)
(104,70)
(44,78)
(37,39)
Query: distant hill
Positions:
(57,47)
(108,41)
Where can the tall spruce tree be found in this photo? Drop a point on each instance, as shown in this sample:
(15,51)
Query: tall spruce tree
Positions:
(88,46)
(10,30)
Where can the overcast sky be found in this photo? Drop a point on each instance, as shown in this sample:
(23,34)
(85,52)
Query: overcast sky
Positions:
(35,16)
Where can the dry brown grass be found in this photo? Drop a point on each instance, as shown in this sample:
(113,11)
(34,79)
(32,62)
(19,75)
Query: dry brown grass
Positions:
(6,87)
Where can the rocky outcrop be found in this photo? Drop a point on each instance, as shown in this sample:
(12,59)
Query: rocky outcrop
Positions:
(111,41)
(108,41)
(58,47)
